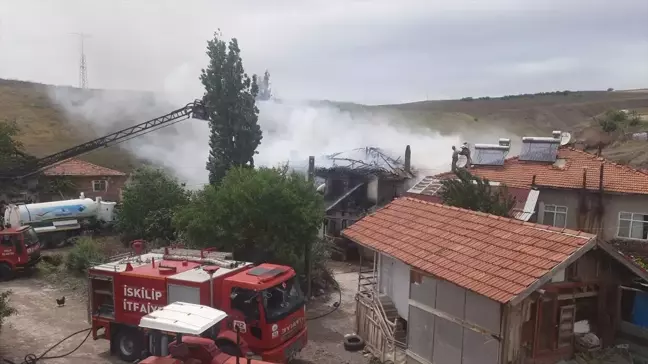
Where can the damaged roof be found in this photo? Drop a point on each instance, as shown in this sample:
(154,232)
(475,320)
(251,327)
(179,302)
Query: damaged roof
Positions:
(526,199)
(363,161)
(501,258)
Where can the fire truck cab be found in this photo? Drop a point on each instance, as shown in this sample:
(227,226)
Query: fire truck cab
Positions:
(186,322)
(264,302)
(19,249)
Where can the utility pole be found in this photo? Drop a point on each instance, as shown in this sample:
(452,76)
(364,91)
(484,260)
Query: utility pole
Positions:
(307,246)
(83,67)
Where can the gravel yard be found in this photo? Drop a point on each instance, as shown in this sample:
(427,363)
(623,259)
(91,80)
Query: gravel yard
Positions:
(40,324)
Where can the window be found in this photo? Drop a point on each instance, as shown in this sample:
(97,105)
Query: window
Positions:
(7,241)
(246,301)
(633,226)
(99,185)
(555,216)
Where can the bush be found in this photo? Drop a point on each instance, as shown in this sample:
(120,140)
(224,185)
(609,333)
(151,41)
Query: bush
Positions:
(84,254)
(55,259)
(149,202)
(5,309)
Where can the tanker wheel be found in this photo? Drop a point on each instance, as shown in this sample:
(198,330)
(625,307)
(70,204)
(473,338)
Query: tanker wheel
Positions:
(128,344)
(6,273)
(229,348)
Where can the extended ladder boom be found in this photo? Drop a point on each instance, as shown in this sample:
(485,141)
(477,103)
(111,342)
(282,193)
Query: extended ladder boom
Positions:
(194,110)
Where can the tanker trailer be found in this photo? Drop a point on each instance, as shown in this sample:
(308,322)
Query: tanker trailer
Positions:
(58,221)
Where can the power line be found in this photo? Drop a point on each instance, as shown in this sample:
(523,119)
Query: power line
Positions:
(83,67)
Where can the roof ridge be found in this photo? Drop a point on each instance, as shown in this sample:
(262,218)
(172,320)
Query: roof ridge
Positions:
(608,161)
(575,233)
(85,164)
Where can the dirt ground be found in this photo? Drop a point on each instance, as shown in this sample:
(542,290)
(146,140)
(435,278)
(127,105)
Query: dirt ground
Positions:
(40,324)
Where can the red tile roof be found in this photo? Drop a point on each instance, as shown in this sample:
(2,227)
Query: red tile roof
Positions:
(77,167)
(493,256)
(616,177)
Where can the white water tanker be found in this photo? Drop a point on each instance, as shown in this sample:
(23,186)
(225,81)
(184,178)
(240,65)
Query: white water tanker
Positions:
(57,221)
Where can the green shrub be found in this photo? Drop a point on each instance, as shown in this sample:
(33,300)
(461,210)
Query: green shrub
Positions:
(55,259)
(85,253)
(5,309)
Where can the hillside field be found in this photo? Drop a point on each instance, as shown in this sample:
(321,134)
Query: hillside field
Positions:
(45,127)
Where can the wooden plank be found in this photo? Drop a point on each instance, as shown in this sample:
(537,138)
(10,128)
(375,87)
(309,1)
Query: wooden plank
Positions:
(562,297)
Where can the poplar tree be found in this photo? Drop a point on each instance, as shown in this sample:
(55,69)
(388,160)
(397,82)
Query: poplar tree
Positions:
(230,101)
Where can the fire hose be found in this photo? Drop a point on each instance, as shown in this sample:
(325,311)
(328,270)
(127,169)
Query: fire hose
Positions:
(336,305)
(33,359)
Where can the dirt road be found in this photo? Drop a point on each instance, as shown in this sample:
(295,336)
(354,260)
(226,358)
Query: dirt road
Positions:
(40,324)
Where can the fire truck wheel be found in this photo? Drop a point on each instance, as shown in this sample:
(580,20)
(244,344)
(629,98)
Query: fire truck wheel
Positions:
(129,345)
(353,342)
(6,273)
(228,347)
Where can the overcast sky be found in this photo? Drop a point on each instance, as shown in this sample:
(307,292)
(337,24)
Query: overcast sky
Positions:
(380,51)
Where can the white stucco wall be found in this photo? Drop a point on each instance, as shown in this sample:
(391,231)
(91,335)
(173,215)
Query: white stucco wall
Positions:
(394,277)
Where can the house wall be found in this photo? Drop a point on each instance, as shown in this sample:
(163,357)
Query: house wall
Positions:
(85,185)
(438,326)
(614,204)
(394,281)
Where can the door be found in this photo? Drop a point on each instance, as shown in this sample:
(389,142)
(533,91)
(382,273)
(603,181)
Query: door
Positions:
(545,326)
(566,325)
(386,275)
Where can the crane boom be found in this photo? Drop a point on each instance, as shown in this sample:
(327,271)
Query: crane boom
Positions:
(194,110)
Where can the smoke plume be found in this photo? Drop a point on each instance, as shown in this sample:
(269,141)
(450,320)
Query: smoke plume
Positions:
(292,131)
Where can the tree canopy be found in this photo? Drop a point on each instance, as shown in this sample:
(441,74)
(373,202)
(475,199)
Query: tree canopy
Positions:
(230,101)
(475,193)
(149,201)
(11,149)
(264,214)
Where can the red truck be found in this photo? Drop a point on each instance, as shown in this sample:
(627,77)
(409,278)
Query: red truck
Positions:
(19,250)
(264,301)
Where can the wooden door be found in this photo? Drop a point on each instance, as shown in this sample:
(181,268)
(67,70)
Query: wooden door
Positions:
(566,325)
(545,326)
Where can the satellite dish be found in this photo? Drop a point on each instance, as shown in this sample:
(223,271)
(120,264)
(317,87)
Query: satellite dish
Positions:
(321,188)
(565,138)
(462,161)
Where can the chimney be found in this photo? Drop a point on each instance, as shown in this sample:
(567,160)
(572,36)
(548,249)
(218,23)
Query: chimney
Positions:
(505,142)
(408,159)
(556,134)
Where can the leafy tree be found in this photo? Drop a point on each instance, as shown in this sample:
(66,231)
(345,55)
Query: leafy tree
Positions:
(261,215)
(230,101)
(265,92)
(11,150)
(149,202)
(5,308)
(64,187)
(475,193)
(618,120)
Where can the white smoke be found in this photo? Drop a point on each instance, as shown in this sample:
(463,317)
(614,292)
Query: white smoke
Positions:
(292,131)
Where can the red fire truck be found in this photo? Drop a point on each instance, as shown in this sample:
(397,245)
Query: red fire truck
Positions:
(19,249)
(264,301)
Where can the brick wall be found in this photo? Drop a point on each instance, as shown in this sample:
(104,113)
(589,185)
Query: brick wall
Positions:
(108,188)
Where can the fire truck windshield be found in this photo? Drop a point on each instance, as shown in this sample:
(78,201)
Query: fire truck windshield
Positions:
(282,300)
(29,237)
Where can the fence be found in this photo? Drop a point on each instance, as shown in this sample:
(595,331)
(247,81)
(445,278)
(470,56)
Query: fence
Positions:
(374,328)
